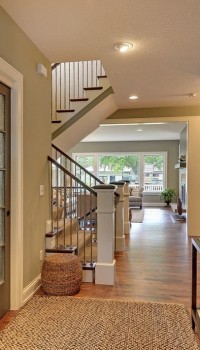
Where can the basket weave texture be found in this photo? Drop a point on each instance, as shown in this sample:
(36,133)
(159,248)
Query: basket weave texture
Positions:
(61,274)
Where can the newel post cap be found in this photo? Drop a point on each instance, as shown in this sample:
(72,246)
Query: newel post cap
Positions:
(104,187)
(118,183)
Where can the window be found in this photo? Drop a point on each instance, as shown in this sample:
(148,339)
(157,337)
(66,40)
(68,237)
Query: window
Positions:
(154,172)
(88,162)
(118,167)
(147,170)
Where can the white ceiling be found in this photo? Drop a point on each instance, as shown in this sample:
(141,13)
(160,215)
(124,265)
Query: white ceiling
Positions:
(136,132)
(162,68)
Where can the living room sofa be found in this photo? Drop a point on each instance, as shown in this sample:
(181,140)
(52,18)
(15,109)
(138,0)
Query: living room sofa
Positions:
(135,196)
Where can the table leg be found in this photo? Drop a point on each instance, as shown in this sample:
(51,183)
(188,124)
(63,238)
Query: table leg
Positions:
(194,282)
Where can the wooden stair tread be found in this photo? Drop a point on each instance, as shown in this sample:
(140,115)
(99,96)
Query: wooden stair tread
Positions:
(62,249)
(65,110)
(88,266)
(53,233)
(93,88)
(79,99)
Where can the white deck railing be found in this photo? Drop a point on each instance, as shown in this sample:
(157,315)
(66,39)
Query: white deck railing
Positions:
(153,188)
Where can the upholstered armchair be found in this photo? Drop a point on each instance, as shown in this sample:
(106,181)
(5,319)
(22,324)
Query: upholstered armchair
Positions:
(135,197)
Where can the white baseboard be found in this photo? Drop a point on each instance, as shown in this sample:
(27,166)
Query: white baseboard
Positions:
(154,204)
(29,290)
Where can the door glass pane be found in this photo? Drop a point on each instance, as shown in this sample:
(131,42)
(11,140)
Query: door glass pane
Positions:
(2,265)
(2,136)
(2,188)
(2,185)
(153,173)
(1,226)
(2,109)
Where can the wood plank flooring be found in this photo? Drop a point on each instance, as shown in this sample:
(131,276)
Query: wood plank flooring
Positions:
(156,265)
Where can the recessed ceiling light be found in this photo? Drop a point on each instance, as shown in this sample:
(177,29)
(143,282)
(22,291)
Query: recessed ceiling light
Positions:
(139,129)
(134,97)
(192,94)
(123,47)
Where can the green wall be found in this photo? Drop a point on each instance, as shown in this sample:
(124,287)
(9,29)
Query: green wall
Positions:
(171,147)
(21,53)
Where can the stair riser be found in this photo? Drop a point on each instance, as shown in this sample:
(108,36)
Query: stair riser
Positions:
(88,276)
(50,242)
(104,82)
(92,94)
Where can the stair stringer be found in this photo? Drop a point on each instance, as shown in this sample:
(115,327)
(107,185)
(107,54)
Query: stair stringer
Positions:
(86,124)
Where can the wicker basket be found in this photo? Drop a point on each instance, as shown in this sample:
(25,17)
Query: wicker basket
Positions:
(61,274)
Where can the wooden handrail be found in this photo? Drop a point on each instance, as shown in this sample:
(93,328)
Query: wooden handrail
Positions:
(77,164)
(89,189)
(54,66)
(81,167)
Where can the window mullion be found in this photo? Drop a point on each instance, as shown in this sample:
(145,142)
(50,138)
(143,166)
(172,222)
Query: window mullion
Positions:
(141,170)
(96,165)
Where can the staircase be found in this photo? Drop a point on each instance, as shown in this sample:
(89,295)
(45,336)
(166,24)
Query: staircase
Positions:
(73,217)
(70,81)
(80,102)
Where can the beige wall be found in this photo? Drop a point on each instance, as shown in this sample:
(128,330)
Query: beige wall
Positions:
(23,55)
(171,147)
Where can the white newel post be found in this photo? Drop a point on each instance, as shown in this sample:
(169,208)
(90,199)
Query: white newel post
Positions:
(105,266)
(119,221)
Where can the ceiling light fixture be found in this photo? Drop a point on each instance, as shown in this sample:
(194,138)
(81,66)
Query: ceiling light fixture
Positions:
(134,97)
(130,124)
(123,47)
(192,94)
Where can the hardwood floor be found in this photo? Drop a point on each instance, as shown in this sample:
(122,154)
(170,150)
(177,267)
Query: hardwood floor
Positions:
(156,265)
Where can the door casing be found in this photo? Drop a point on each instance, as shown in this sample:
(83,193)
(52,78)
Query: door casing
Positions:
(14,79)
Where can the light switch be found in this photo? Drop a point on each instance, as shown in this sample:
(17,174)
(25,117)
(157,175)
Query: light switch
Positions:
(41,190)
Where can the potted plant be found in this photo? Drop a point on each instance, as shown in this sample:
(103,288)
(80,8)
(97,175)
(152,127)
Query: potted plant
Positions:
(168,195)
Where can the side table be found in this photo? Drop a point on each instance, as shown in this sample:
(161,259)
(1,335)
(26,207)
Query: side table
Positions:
(194,311)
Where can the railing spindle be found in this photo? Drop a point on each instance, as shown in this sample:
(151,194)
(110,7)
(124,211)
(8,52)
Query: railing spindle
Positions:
(69,80)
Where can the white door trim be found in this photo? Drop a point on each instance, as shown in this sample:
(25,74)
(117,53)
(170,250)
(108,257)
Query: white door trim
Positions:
(14,79)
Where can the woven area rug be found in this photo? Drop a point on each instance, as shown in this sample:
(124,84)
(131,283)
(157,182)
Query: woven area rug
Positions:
(72,323)
(137,215)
